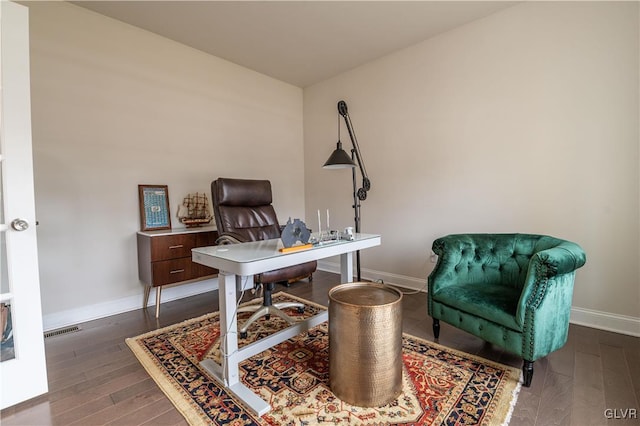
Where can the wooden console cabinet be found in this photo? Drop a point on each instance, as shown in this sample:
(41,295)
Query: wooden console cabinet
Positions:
(164,258)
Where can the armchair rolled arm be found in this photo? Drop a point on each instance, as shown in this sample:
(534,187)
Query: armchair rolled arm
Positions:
(545,275)
(564,258)
(547,264)
(449,251)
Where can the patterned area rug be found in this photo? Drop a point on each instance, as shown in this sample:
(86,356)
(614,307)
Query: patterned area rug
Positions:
(440,386)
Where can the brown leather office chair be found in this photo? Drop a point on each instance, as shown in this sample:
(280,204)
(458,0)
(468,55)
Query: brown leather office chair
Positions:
(243,212)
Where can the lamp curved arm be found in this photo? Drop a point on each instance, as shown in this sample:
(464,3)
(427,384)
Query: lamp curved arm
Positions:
(366,183)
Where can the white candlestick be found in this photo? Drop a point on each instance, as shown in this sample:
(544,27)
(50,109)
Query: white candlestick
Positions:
(328,227)
(319,223)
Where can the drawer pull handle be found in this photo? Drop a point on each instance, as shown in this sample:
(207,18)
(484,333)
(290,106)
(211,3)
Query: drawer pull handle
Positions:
(177,271)
(175,247)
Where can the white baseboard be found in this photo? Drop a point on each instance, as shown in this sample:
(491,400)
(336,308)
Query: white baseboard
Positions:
(580,316)
(76,316)
(616,323)
(100,310)
(373,275)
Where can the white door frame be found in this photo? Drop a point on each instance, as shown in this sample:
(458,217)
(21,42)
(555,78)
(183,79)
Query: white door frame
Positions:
(25,376)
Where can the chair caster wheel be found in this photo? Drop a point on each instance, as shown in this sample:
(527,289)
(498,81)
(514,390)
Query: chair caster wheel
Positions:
(300,310)
(243,334)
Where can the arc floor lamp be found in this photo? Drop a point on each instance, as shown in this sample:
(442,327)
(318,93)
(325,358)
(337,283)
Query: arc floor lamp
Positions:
(339,159)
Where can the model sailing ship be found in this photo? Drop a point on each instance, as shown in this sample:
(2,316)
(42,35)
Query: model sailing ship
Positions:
(195,210)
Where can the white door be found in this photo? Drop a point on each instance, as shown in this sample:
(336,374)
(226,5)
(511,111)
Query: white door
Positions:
(22,368)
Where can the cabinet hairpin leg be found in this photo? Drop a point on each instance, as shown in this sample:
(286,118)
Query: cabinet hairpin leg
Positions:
(158,293)
(147,291)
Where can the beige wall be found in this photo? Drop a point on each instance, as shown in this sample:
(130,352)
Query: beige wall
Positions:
(115,106)
(525,121)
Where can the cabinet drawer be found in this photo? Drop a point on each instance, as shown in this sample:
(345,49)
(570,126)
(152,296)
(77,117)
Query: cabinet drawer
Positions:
(206,239)
(199,270)
(172,271)
(172,246)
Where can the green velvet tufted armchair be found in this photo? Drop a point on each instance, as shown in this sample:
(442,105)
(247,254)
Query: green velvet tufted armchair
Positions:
(512,290)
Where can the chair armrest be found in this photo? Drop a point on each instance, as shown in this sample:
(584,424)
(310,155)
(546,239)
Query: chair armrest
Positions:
(553,267)
(449,251)
(229,238)
(564,258)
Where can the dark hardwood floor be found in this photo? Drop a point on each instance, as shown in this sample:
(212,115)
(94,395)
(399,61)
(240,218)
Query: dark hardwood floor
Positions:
(94,379)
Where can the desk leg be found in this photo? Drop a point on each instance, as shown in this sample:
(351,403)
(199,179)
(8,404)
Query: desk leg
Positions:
(346,267)
(228,327)
(228,373)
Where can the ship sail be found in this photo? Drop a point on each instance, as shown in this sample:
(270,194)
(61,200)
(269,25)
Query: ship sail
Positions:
(195,210)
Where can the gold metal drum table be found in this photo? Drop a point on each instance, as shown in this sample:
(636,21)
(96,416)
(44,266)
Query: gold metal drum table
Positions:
(365,343)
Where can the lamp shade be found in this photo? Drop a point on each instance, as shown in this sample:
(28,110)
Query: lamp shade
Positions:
(339,159)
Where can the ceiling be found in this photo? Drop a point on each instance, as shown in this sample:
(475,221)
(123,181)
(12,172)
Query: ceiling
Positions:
(299,42)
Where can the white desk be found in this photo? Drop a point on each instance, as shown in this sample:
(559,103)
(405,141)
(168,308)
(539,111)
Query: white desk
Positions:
(237,263)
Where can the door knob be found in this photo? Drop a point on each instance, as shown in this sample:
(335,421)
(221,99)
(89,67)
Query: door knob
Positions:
(19,224)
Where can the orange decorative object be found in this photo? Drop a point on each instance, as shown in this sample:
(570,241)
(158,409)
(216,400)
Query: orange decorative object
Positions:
(296,248)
